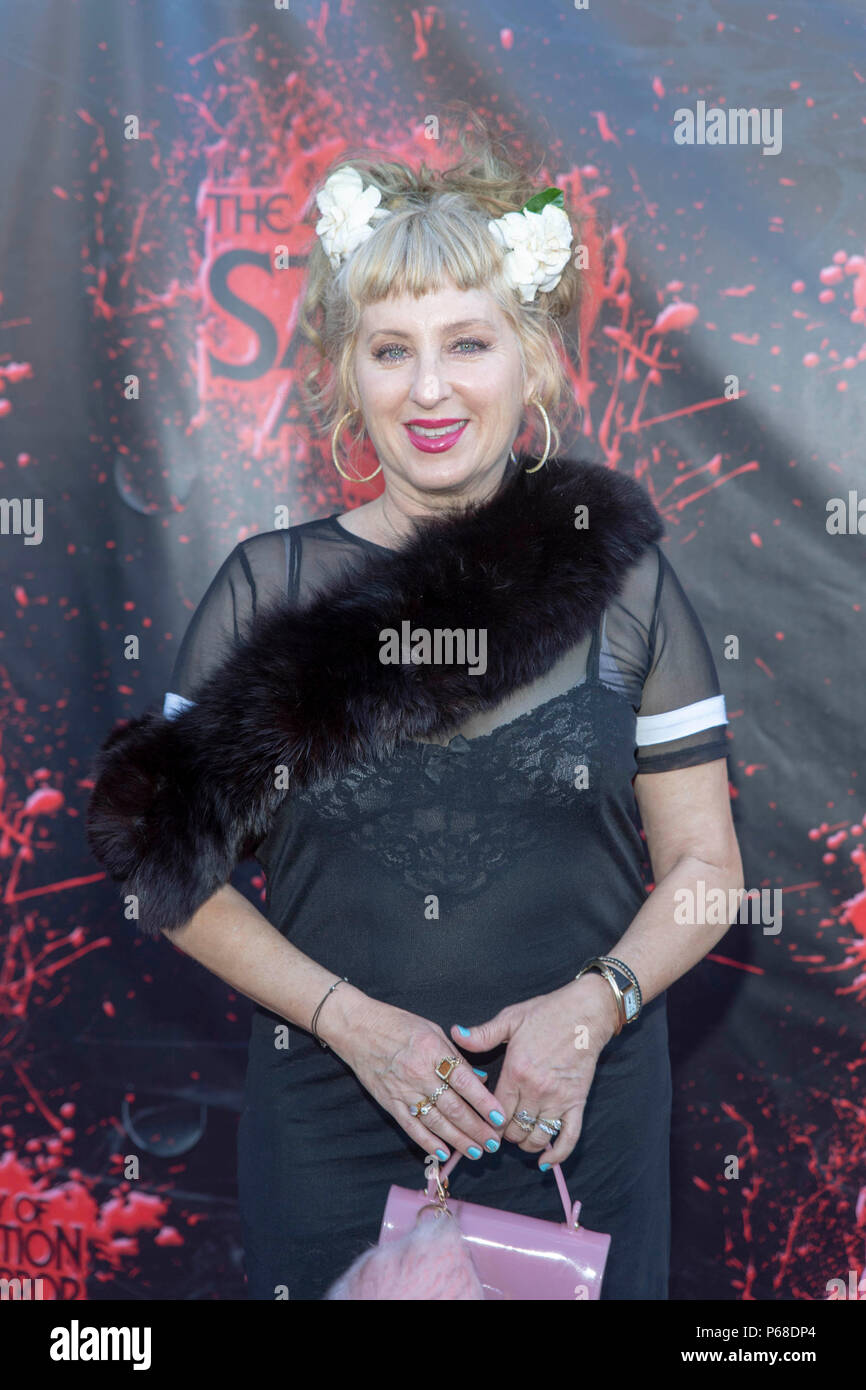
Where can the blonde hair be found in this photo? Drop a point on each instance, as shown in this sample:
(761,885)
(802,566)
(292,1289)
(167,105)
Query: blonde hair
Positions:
(437,230)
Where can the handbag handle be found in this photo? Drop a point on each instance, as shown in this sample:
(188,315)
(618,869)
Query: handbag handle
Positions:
(571,1209)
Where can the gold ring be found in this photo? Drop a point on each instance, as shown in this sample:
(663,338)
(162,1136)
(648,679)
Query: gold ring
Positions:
(450,1063)
(423,1106)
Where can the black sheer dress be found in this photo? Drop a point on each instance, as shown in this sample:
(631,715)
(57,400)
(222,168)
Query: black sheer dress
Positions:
(451,880)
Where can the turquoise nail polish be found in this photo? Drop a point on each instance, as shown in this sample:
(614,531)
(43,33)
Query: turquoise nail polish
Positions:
(441,1155)
(544,1167)
(464,1032)
(479,1072)
(473,1152)
(497,1117)
(492,1145)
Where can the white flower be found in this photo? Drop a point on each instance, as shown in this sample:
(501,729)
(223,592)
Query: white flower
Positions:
(348,209)
(538,245)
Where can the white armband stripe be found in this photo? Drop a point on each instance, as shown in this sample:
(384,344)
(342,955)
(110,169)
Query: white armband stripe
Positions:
(677,723)
(174,704)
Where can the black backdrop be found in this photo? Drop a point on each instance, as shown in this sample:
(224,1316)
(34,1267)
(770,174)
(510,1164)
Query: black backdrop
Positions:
(149,256)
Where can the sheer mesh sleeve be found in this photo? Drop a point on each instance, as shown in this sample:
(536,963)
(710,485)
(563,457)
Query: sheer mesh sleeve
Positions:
(681,719)
(253,574)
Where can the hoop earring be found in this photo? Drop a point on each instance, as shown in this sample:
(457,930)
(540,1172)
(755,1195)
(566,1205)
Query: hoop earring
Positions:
(334,437)
(546,441)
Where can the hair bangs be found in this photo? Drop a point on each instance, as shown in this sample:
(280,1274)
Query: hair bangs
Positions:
(418,251)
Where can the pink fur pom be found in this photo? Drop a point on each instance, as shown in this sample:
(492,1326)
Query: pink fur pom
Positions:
(431,1262)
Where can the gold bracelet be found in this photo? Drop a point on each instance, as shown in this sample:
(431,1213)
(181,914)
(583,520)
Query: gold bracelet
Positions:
(631,993)
(602,969)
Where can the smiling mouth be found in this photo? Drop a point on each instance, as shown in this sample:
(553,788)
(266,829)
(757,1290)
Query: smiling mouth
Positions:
(437,431)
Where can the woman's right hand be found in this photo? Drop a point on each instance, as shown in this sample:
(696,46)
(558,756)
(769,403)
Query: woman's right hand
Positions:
(394,1055)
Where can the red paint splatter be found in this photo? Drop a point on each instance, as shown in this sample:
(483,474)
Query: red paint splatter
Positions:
(604,129)
(57,1231)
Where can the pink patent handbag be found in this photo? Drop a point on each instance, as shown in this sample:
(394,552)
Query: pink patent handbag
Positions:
(515,1257)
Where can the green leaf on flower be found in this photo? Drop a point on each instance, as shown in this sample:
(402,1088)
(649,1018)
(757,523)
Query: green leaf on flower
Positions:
(540,200)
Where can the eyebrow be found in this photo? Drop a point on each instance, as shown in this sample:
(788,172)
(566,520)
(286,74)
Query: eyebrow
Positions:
(447,328)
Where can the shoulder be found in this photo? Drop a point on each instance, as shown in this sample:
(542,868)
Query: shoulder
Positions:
(263,545)
(621,501)
(652,590)
(304,529)
(263,553)
(274,563)
(267,545)
(639,594)
(257,567)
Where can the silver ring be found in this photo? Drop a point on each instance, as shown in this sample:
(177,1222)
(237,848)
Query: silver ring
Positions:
(550,1127)
(526,1121)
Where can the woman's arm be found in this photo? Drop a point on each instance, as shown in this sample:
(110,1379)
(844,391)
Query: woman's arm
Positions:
(690,834)
(235,941)
(392,1052)
(693,848)
(692,845)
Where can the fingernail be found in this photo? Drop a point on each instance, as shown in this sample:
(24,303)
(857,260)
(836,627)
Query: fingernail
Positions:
(497,1117)
(441,1155)
(464,1032)
(544,1167)
(492,1145)
(479,1072)
(473,1152)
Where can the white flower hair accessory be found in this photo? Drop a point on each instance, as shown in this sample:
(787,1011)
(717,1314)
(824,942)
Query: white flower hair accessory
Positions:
(348,211)
(538,241)
(537,238)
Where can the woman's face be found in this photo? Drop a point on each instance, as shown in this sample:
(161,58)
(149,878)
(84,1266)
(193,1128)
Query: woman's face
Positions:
(449,356)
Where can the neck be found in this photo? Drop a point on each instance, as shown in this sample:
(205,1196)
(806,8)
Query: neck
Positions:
(396,509)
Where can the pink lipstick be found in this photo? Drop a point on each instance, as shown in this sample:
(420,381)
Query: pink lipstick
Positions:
(435,443)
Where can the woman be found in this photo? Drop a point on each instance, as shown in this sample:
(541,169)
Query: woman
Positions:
(438,750)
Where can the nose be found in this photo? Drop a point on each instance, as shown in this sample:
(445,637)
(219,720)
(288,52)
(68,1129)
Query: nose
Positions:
(429,381)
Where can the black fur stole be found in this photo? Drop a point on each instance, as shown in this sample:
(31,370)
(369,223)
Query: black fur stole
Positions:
(177,802)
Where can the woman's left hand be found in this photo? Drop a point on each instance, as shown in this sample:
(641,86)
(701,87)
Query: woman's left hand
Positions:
(554,1042)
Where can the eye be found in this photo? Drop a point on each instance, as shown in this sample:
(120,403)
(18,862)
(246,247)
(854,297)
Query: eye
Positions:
(474,345)
(386,351)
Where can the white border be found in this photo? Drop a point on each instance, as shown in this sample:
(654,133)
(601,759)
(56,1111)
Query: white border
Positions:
(677,723)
